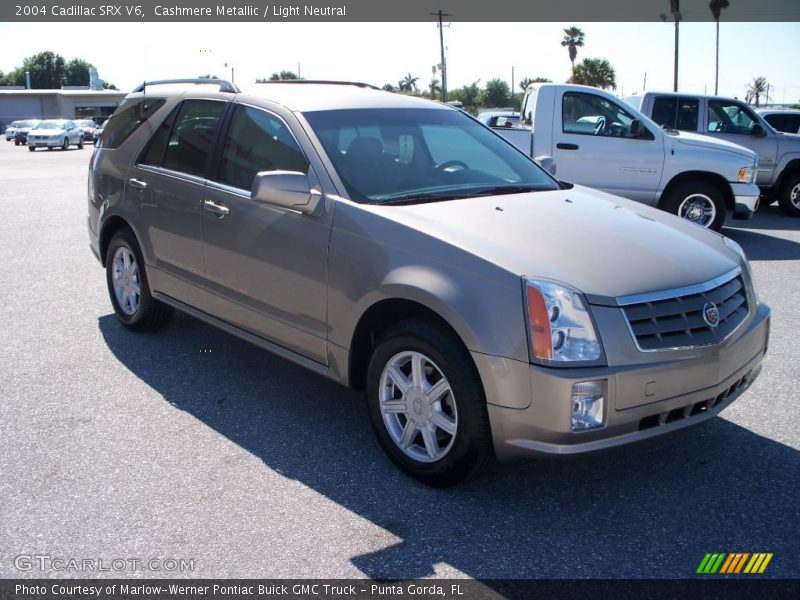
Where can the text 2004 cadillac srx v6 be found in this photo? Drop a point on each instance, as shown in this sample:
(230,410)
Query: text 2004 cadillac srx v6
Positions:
(398,246)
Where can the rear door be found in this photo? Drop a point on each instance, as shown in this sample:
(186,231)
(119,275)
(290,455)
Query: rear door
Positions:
(168,182)
(594,145)
(266,265)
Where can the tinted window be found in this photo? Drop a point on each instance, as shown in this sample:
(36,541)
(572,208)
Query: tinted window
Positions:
(664,111)
(398,155)
(786,123)
(729,117)
(257,141)
(588,114)
(153,153)
(128,118)
(192,137)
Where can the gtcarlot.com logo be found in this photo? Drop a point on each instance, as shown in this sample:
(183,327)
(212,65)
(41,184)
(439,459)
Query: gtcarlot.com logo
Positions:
(734,563)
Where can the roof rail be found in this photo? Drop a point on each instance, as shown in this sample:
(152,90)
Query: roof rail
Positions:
(324,81)
(224,85)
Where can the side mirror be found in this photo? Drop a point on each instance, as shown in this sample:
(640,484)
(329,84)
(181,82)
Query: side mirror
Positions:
(758,130)
(638,130)
(287,189)
(548,163)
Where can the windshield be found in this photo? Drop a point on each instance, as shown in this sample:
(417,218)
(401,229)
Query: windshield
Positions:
(51,125)
(85,123)
(408,155)
(23,124)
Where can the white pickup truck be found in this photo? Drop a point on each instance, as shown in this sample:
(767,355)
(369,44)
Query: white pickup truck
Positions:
(733,120)
(598,141)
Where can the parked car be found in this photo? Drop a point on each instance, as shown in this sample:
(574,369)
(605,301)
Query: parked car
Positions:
(500,118)
(98,132)
(55,133)
(21,131)
(784,119)
(88,127)
(734,121)
(395,245)
(595,139)
(11,130)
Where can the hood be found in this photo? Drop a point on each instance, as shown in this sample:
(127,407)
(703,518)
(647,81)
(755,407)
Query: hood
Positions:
(703,141)
(598,243)
(48,131)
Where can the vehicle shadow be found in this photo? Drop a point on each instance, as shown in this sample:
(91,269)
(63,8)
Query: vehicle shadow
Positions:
(755,237)
(648,510)
(767,217)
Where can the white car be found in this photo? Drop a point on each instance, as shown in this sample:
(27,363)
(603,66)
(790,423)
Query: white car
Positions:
(11,130)
(55,133)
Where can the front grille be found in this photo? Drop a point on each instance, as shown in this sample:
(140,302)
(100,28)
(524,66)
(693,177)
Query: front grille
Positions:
(678,322)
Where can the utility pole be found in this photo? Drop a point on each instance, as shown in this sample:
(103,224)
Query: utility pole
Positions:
(512,82)
(675,7)
(443,66)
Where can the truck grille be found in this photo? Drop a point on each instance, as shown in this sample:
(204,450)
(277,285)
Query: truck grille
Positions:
(679,322)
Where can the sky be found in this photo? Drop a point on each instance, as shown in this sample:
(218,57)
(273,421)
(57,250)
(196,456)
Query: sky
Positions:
(379,53)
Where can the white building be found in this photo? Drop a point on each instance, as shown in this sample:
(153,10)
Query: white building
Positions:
(85,103)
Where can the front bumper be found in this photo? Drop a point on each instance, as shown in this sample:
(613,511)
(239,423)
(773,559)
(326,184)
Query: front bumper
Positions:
(633,407)
(745,200)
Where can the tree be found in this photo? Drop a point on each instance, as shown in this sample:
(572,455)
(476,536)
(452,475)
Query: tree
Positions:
(388,87)
(497,93)
(755,90)
(523,85)
(207,76)
(716,7)
(596,72)
(279,76)
(469,95)
(434,88)
(573,39)
(76,72)
(408,83)
(49,70)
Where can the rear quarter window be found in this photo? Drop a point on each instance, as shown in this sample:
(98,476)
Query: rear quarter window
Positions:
(127,119)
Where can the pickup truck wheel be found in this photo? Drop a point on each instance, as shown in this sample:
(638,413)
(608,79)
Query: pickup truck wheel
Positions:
(697,201)
(789,199)
(31,148)
(128,288)
(427,406)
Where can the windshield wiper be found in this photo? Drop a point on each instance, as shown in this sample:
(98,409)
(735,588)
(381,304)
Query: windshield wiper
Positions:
(436,197)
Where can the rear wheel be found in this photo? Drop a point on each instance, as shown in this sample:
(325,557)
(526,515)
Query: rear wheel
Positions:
(789,198)
(128,288)
(427,406)
(700,202)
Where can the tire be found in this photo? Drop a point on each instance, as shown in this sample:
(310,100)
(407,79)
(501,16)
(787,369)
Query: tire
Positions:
(789,196)
(49,147)
(689,195)
(442,458)
(65,145)
(80,144)
(146,314)
(31,148)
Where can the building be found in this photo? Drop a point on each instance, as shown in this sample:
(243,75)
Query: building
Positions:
(84,103)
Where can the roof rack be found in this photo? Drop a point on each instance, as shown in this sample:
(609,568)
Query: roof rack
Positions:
(224,85)
(325,81)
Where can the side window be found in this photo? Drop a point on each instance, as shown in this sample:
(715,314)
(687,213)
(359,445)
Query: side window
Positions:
(257,141)
(153,153)
(664,111)
(588,114)
(127,119)
(192,138)
(729,117)
(529,108)
(688,114)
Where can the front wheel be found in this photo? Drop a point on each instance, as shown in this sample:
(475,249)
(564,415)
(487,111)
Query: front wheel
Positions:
(700,202)
(65,145)
(789,199)
(80,144)
(427,406)
(31,148)
(127,283)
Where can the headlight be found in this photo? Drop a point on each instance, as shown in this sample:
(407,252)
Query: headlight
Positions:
(747,174)
(561,329)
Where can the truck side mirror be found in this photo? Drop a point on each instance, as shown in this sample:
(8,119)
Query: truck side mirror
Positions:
(548,163)
(758,130)
(639,131)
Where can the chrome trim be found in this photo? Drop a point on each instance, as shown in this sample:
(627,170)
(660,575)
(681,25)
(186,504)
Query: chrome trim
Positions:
(697,288)
(692,289)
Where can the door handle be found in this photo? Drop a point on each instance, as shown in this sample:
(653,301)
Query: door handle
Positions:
(567,146)
(217,208)
(137,183)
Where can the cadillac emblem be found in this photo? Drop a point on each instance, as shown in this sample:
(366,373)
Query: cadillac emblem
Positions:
(711,314)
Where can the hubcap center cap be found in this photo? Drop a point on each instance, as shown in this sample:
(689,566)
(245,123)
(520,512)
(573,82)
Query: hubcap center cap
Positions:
(418,408)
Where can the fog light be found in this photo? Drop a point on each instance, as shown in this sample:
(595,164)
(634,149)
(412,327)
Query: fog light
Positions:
(587,405)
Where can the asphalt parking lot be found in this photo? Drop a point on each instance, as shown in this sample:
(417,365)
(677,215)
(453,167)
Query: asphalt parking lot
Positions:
(193,444)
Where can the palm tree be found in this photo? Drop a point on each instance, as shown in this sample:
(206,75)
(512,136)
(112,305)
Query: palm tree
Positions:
(529,80)
(596,72)
(716,7)
(755,89)
(573,38)
(434,88)
(408,83)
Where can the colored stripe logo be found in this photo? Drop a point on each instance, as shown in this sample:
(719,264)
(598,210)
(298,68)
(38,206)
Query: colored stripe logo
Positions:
(734,563)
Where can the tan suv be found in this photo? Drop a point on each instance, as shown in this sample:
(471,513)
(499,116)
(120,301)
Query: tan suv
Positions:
(397,245)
